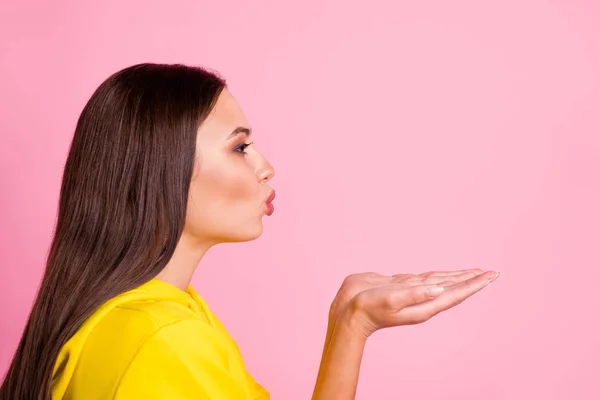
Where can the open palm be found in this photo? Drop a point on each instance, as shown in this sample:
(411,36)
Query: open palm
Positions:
(381,301)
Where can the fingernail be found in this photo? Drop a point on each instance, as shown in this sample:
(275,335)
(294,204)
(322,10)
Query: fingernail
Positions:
(492,279)
(435,291)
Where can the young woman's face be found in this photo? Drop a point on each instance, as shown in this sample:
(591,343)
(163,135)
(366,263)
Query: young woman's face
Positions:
(229,194)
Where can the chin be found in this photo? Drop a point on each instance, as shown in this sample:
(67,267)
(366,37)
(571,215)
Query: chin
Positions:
(245,234)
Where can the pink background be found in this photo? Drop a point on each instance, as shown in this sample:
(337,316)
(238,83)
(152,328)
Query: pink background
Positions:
(407,136)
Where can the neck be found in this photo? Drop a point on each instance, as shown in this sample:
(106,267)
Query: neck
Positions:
(181,267)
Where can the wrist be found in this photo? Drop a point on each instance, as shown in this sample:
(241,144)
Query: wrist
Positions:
(352,325)
(340,364)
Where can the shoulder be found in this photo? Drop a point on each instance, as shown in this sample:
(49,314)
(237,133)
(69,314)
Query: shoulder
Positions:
(131,325)
(124,330)
(184,359)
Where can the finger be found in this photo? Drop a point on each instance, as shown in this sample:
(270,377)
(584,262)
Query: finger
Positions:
(406,297)
(450,297)
(438,273)
(446,284)
(475,271)
(456,278)
(402,275)
(435,277)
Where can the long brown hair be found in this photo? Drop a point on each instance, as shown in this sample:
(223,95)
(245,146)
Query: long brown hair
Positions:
(122,206)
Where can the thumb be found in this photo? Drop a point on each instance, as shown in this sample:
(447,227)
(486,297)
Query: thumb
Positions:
(419,294)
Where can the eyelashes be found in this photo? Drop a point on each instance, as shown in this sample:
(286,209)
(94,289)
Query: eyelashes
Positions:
(240,148)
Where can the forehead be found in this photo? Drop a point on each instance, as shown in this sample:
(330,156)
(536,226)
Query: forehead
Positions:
(225,116)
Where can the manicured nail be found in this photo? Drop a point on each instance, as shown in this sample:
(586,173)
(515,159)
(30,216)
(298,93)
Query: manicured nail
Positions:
(435,291)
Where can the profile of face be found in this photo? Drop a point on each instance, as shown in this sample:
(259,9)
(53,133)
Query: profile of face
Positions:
(229,192)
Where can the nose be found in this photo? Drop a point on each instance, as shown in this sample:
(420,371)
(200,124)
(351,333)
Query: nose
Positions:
(266,171)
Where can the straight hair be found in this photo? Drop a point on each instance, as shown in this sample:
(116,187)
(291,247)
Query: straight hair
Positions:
(122,206)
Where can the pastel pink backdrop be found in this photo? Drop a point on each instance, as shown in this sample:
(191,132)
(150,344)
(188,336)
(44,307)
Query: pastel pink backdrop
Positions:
(407,136)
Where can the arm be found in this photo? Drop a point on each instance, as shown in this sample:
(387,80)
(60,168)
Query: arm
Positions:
(342,356)
(352,285)
(368,303)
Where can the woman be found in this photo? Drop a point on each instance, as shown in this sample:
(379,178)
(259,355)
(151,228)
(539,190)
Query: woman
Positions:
(161,168)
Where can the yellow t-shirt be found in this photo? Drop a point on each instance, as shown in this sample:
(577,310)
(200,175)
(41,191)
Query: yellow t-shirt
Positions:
(153,342)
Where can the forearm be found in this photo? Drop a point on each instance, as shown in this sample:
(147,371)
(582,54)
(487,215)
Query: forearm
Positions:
(340,363)
(334,313)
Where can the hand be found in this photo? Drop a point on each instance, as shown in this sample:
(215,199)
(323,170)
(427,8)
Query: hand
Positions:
(369,301)
(356,283)
(378,302)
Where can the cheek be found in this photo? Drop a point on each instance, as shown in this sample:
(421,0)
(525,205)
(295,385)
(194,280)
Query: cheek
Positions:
(229,186)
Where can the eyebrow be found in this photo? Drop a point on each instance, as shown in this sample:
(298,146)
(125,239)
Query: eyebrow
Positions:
(240,130)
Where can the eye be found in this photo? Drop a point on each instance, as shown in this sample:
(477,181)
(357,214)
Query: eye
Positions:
(241,147)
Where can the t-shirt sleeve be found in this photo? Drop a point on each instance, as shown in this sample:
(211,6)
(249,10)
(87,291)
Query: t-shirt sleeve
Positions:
(184,360)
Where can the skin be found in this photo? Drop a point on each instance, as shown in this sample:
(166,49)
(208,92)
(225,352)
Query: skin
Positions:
(228,190)
(227,201)
(368,302)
